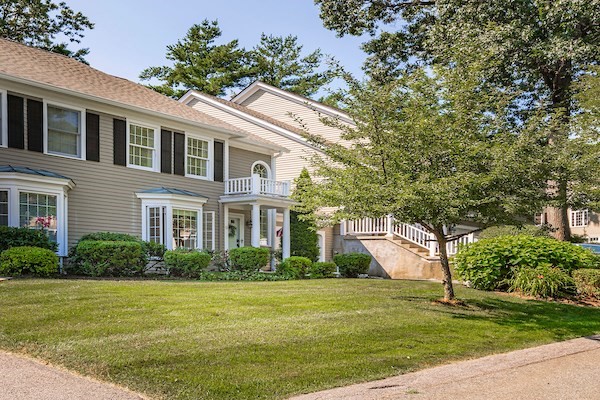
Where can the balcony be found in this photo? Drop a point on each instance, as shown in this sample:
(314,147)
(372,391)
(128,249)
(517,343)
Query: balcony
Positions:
(255,185)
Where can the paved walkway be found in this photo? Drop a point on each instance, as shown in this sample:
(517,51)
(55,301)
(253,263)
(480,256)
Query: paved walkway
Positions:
(560,371)
(23,378)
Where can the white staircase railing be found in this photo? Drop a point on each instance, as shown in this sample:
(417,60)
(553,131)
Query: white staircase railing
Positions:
(413,233)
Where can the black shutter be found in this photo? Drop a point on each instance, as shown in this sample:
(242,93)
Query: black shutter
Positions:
(92,137)
(16,123)
(120,142)
(165,151)
(219,161)
(35,125)
(179,153)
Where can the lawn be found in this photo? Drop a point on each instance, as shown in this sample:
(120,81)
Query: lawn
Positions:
(223,340)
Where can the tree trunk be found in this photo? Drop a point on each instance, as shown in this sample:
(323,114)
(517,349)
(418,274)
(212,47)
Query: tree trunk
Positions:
(447,281)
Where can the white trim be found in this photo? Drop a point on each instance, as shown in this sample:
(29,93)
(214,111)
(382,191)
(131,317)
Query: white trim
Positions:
(322,245)
(226,161)
(155,156)
(242,218)
(213,230)
(210,170)
(263,164)
(4,118)
(82,128)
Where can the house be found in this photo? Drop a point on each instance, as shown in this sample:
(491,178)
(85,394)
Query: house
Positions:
(84,151)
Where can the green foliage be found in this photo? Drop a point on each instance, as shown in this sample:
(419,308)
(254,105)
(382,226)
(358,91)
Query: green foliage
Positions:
(587,281)
(109,237)
(512,230)
(108,258)
(25,260)
(14,237)
(248,258)
(186,263)
(303,237)
(488,263)
(541,281)
(294,266)
(352,264)
(38,23)
(151,250)
(249,276)
(322,270)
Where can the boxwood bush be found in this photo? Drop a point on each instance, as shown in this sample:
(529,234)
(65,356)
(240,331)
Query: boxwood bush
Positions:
(322,270)
(108,258)
(186,263)
(248,258)
(25,260)
(295,267)
(16,237)
(489,263)
(541,281)
(352,264)
(587,282)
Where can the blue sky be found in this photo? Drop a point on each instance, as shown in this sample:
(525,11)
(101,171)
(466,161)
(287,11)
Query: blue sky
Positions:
(131,35)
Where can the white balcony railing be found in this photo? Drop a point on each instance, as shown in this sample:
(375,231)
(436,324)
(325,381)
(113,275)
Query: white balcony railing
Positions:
(256,185)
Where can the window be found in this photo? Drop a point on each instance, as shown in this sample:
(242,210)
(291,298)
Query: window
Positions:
(264,227)
(3,207)
(261,169)
(3,120)
(142,147)
(579,218)
(64,131)
(185,229)
(208,239)
(198,157)
(156,224)
(38,211)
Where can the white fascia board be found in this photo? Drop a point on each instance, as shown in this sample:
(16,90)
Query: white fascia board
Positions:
(114,103)
(256,86)
(250,118)
(172,197)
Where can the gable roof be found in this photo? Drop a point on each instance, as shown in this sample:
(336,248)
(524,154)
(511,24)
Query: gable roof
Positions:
(39,67)
(257,86)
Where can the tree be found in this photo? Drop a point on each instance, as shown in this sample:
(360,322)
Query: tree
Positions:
(436,150)
(303,232)
(38,23)
(200,64)
(278,61)
(537,46)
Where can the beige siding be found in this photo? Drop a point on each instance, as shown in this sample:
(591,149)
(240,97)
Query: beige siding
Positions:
(288,165)
(291,113)
(104,196)
(240,162)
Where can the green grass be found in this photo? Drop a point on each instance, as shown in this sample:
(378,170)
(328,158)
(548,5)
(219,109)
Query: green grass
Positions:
(248,340)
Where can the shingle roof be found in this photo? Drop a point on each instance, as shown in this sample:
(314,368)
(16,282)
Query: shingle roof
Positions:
(166,190)
(31,171)
(58,71)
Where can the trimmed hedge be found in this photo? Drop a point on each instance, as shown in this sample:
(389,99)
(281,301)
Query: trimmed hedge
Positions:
(25,260)
(248,258)
(295,267)
(587,282)
(352,264)
(490,263)
(109,258)
(511,230)
(322,270)
(186,263)
(541,281)
(19,237)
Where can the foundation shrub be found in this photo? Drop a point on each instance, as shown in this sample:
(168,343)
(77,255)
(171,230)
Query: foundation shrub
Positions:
(28,260)
(352,264)
(186,263)
(248,258)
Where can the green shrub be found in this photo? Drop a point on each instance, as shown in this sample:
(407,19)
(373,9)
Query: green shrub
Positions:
(489,263)
(352,264)
(322,270)
(248,258)
(511,230)
(303,237)
(587,282)
(186,263)
(541,281)
(18,237)
(108,258)
(248,276)
(109,237)
(24,260)
(295,267)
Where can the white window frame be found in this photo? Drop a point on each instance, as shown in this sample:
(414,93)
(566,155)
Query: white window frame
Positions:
(170,202)
(263,164)
(82,129)
(16,183)
(585,218)
(155,156)
(4,117)
(213,218)
(209,167)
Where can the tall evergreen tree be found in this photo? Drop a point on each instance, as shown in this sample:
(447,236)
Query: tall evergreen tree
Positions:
(303,232)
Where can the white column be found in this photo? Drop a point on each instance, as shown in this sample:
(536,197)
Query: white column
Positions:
(226,227)
(390,226)
(255,184)
(272,236)
(255,225)
(432,245)
(285,248)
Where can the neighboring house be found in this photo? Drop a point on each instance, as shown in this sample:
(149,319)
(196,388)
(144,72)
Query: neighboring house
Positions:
(88,152)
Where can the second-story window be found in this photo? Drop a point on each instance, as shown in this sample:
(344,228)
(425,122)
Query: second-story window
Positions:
(64,134)
(579,218)
(142,146)
(198,157)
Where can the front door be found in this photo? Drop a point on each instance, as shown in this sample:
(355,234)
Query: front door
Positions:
(236,232)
